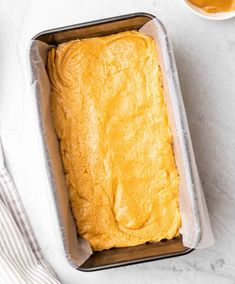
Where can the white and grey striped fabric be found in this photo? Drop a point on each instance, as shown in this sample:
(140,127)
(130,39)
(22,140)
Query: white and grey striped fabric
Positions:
(20,258)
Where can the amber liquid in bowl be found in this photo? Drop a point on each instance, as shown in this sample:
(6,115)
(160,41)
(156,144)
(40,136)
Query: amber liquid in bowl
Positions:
(214,6)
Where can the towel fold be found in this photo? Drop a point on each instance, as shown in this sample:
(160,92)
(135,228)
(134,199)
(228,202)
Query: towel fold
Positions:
(21,261)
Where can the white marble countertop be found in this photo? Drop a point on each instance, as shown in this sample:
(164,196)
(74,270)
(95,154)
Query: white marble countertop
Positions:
(205,56)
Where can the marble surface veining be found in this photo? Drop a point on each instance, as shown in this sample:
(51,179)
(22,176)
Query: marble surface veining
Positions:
(205,57)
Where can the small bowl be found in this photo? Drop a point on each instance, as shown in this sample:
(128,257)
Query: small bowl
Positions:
(209,16)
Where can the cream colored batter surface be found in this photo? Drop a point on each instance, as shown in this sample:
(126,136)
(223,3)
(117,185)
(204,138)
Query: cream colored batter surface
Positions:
(110,116)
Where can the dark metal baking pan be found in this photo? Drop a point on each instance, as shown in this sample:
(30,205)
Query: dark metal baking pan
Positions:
(116,256)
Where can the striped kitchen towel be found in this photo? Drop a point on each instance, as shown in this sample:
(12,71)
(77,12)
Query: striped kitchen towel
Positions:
(20,258)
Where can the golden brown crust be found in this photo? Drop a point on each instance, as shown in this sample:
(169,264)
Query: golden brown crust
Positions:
(110,116)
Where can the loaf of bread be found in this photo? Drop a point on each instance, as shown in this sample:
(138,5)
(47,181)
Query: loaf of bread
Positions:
(109,113)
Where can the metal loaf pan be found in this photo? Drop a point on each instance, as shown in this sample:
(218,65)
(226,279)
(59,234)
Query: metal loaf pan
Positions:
(117,256)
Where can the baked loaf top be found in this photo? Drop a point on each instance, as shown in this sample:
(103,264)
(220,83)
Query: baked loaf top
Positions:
(110,116)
